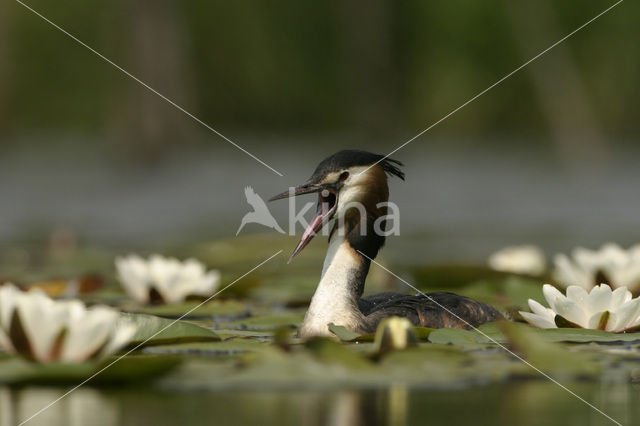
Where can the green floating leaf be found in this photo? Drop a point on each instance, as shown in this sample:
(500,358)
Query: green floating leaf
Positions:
(226,348)
(342,333)
(267,322)
(326,364)
(213,308)
(330,351)
(581,335)
(485,334)
(544,355)
(131,369)
(455,336)
(258,334)
(154,330)
(492,331)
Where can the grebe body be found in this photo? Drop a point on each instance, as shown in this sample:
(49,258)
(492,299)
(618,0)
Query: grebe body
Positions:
(352,194)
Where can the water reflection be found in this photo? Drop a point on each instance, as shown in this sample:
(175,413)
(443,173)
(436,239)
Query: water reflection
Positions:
(358,408)
(524,403)
(85,406)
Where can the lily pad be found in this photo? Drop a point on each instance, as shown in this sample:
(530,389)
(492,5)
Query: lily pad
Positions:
(225,348)
(256,334)
(215,308)
(580,335)
(525,341)
(542,355)
(154,330)
(492,331)
(343,333)
(330,351)
(325,364)
(131,369)
(267,322)
(486,334)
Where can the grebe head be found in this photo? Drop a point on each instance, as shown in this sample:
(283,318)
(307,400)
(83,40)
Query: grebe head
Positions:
(344,181)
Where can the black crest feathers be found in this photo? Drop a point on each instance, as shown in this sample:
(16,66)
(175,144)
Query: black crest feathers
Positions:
(353,157)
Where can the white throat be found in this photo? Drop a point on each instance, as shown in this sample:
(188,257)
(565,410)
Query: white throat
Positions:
(336,299)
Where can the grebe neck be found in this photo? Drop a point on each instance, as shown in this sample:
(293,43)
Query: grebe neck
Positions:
(341,285)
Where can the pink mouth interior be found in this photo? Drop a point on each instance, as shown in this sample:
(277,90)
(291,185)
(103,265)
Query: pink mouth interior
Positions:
(326,206)
(313,227)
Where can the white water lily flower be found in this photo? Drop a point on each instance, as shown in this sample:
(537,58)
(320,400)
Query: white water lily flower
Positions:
(600,309)
(524,259)
(165,280)
(44,330)
(611,264)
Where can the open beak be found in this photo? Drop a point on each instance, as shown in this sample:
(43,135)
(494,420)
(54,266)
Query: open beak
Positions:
(305,188)
(327,203)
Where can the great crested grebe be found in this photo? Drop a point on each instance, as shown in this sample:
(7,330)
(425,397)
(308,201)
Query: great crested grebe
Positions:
(344,180)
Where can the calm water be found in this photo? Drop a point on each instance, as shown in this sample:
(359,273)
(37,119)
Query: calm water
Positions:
(517,403)
(458,203)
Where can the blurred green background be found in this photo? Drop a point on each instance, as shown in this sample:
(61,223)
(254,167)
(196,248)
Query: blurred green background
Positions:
(548,155)
(333,66)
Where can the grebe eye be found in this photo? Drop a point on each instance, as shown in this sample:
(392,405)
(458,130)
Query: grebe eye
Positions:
(344,176)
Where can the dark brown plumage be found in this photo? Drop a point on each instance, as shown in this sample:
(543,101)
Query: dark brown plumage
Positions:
(433,310)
